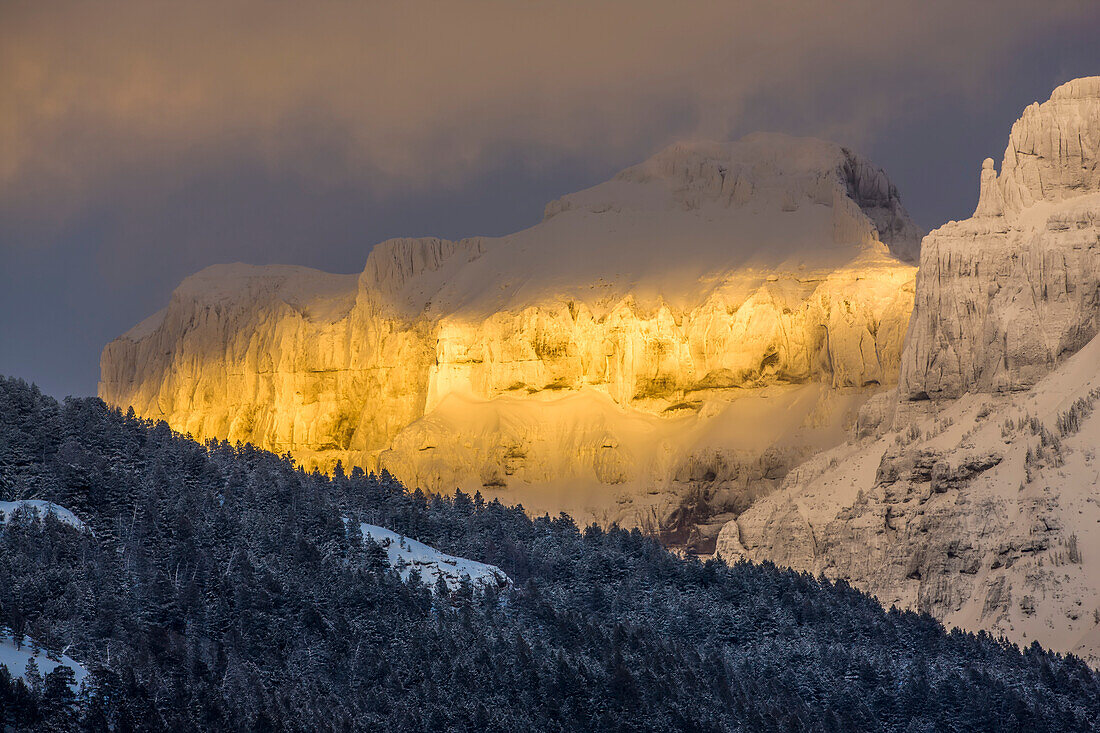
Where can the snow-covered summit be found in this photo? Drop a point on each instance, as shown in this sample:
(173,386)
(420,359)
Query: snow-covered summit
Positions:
(1052,153)
(313,293)
(764,172)
(1085,87)
(683,223)
(299,287)
(1005,295)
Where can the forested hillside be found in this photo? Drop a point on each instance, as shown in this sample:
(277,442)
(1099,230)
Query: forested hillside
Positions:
(221,587)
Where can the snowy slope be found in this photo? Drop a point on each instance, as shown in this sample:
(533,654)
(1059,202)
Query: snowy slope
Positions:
(41,508)
(985,513)
(580,453)
(407,554)
(16,659)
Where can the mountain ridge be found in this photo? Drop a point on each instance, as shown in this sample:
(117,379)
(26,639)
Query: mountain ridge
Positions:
(707,274)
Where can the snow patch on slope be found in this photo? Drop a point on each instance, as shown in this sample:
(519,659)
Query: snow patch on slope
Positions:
(406,554)
(15,659)
(40,508)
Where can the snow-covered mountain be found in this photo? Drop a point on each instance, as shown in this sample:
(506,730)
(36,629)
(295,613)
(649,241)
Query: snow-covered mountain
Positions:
(683,332)
(973,493)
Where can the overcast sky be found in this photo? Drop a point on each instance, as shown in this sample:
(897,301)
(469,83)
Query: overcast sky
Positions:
(141,141)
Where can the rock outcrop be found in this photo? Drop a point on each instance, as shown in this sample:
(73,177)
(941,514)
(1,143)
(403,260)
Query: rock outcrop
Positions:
(985,514)
(694,326)
(1005,295)
(981,504)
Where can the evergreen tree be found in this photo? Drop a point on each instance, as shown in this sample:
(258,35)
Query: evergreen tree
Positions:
(221,587)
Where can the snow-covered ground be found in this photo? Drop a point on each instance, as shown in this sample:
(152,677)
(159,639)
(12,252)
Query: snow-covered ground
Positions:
(16,659)
(7,508)
(407,554)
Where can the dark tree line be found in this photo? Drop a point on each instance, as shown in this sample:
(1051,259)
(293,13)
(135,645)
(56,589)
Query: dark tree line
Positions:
(220,589)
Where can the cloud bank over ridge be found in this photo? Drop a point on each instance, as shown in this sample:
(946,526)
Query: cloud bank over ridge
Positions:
(140,141)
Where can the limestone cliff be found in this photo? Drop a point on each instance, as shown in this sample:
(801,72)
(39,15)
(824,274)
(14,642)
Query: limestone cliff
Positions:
(1006,294)
(972,494)
(692,327)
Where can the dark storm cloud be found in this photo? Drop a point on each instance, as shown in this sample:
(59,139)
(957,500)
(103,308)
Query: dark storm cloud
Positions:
(141,141)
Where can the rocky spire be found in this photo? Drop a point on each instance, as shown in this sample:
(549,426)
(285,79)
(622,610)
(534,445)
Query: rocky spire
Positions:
(990,202)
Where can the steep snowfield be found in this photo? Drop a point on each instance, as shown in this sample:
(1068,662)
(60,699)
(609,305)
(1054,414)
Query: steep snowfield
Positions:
(615,333)
(15,659)
(407,555)
(41,508)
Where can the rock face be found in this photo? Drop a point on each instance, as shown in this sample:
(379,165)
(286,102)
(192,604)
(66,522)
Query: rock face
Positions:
(980,506)
(1006,294)
(693,326)
(985,514)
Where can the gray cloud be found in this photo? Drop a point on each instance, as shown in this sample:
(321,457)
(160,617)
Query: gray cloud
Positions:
(425,94)
(142,140)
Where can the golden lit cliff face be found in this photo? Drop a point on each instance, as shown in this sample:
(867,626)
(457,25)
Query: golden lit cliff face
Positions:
(558,386)
(843,328)
(493,406)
